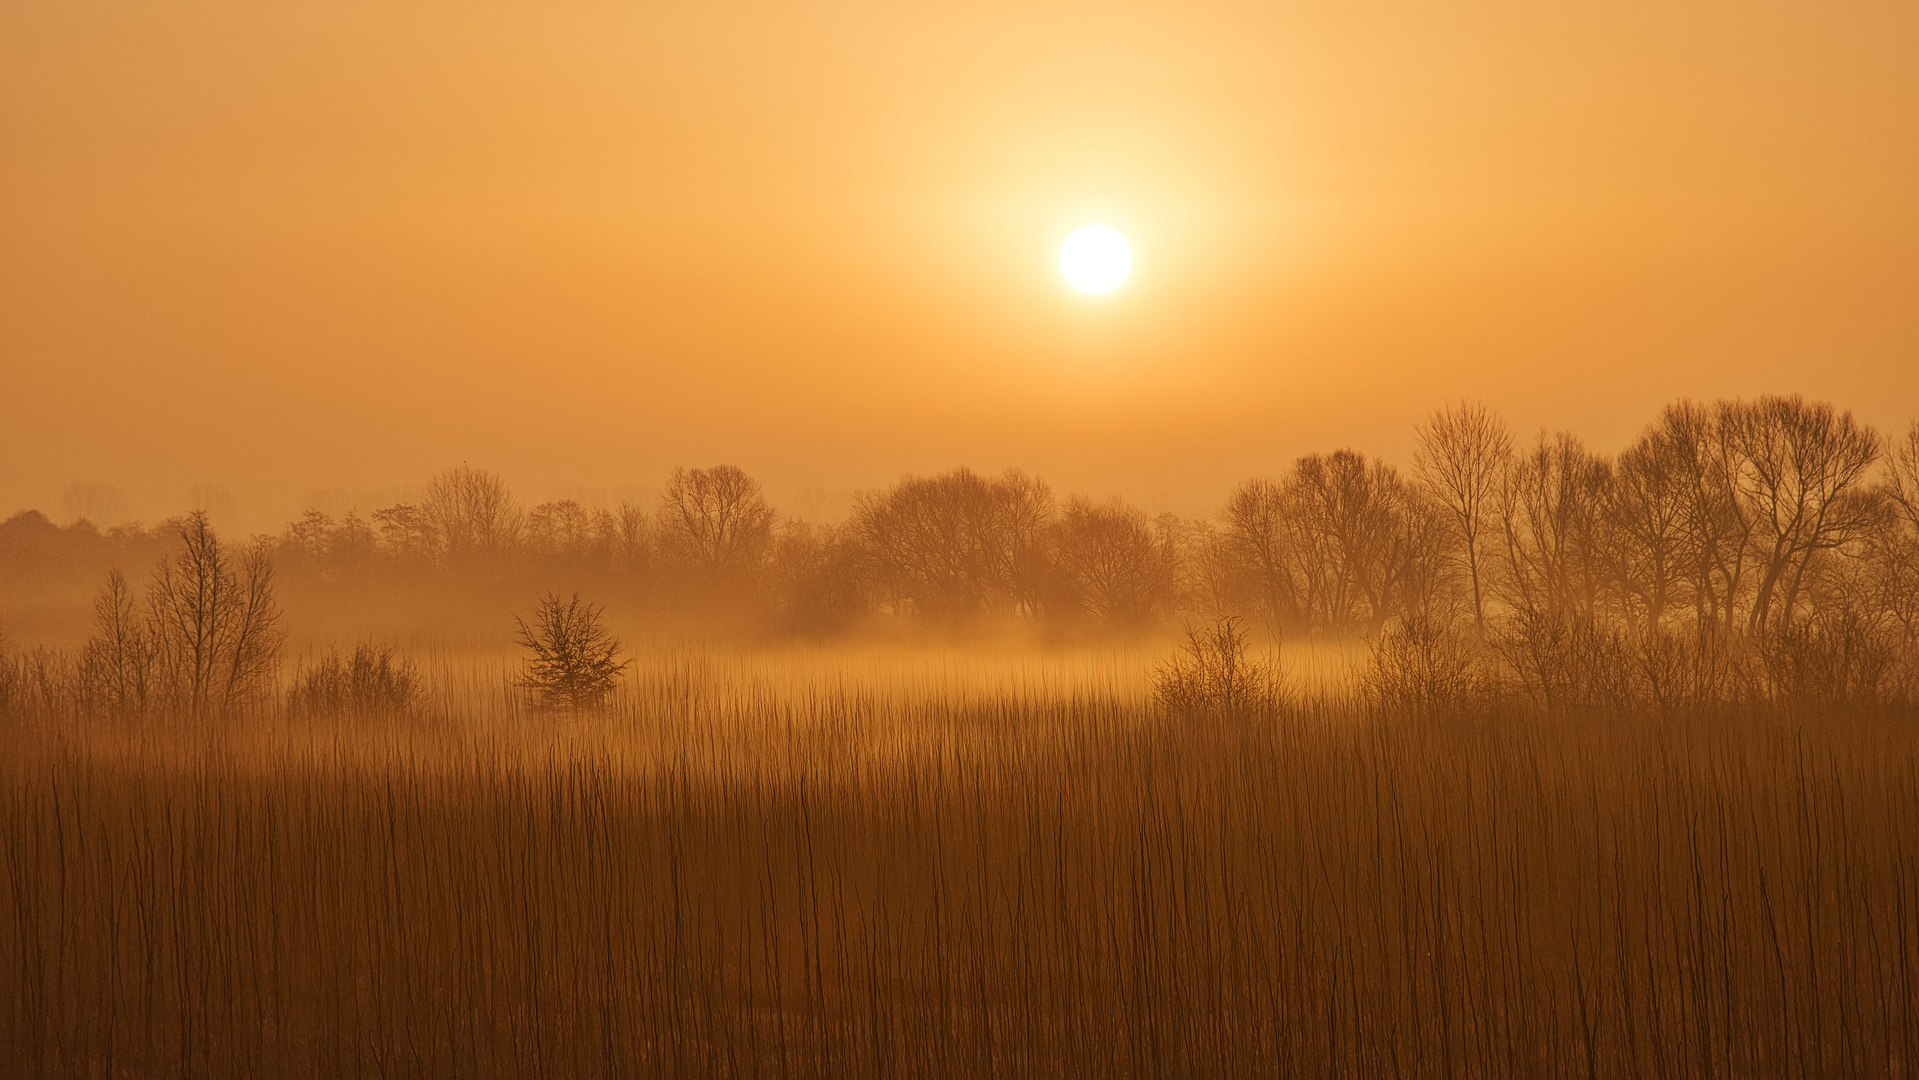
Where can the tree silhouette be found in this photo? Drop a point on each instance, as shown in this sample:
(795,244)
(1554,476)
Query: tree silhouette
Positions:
(211,635)
(575,661)
(1460,457)
(715,521)
(472,514)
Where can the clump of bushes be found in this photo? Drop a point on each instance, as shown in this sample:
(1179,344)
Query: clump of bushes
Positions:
(1420,668)
(1214,675)
(1834,659)
(369,682)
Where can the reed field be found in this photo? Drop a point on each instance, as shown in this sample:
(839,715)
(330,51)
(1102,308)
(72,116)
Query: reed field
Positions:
(811,862)
(1531,762)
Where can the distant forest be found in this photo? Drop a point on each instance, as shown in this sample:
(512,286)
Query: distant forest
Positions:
(1735,526)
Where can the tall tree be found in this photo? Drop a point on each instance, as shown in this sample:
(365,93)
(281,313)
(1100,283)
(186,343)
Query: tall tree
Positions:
(1718,523)
(1257,544)
(1646,528)
(958,544)
(1459,459)
(214,623)
(472,514)
(1803,476)
(1353,514)
(1551,507)
(715,521)
(1114,562)
(1894,546)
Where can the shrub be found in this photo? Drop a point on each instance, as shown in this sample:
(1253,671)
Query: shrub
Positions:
(1420,668)
(1834,658)
(1212,675)
(1566,665)
(370,682)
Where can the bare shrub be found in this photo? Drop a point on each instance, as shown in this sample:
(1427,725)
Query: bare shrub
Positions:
(1213,675)
(1834,659)
(370,682)
(38,685)
(1565,664)
(1419,668)
(575,661)
(1676,673)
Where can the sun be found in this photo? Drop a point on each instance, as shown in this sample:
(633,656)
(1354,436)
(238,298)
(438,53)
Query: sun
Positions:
(1095,259)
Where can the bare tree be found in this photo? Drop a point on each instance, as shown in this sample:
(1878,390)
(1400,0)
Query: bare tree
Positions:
(1356,550)
(407,531)
(627,535)
(1805,468)
(958,544)
(1332,547)
(1894,547)
(214,624)
(1460,460)
(814,577)
(117,661)
(575,661)
(101,503)
(1257,545)
(1718,524)
(716,521)
(1901,481)
(562,529)
(1551,525)
(472,514)
(1646,514)
(1114,562)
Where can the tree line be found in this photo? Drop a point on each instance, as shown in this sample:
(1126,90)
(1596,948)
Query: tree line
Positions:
(1733,516)
(1726,533)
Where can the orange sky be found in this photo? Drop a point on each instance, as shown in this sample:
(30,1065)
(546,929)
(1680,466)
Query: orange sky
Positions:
(281,247)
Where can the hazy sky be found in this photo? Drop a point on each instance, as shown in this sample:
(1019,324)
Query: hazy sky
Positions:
(280,247)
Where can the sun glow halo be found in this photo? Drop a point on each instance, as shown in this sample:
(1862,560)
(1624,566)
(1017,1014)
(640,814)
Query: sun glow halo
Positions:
(1095,259)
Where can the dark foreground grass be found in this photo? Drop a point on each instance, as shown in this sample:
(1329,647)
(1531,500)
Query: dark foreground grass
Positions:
(1063,890)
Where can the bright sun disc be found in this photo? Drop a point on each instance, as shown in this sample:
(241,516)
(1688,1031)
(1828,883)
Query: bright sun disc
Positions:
(1095,259)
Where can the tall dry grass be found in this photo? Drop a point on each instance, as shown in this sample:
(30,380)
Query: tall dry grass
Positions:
(808,864)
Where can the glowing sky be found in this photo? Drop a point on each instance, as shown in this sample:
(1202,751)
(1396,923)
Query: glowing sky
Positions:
(283,247)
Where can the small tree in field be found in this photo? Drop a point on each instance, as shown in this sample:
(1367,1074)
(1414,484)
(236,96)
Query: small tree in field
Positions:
(575,659)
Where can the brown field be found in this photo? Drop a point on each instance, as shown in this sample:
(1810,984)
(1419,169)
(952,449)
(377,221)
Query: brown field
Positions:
(799,862)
